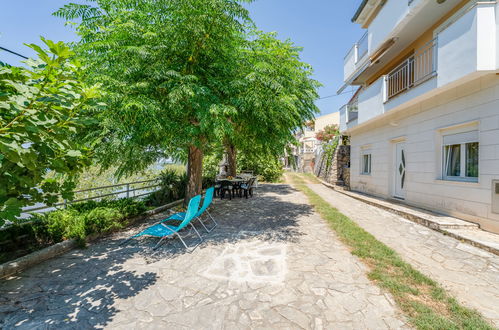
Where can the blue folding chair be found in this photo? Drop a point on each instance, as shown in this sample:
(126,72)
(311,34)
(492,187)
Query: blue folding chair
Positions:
(208,198)
(163,230)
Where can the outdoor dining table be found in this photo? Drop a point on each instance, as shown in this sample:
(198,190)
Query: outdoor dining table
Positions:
(236,182)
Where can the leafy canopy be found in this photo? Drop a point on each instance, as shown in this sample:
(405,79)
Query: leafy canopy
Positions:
(41,109)
(167,66)
(274,96)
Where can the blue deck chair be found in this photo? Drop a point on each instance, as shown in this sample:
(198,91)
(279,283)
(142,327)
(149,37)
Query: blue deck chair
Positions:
(162,230)
(208,198)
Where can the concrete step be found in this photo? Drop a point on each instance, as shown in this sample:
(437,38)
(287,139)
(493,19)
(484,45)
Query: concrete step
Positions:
(459,229)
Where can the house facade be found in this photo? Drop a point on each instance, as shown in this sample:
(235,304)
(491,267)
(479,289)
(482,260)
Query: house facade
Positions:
(424,124)
(305,153)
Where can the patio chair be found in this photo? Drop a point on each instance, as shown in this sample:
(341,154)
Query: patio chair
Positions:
(208,198)
(162,230)
(247,187)
(226,186)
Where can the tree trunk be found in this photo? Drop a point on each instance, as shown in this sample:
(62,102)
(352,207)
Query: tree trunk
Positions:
(231,159)
(194,173)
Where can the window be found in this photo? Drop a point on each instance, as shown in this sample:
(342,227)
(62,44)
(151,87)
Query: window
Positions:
(366,164)
(461,156)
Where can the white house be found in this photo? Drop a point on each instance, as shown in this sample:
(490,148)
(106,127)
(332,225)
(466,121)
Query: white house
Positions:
(424,125)
(304,154)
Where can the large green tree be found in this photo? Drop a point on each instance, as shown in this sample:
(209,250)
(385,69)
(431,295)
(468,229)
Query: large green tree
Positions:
(167,67)
(274,95)
(42,109)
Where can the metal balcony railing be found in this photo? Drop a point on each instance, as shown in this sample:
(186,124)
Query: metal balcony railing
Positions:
(358,50)
(352,110)
(413,71)
(362,47)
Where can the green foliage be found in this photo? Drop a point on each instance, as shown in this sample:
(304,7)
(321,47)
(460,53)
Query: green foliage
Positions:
(76,222)
(128,207)
(268,166)
(42,109)
(330,149)
(185,75)
(172,188)
(65,224)
(274,95)
(102,219)
(82,219)
(210,164)
(166,65)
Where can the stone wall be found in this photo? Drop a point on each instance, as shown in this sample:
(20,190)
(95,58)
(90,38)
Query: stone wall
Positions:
(338,171)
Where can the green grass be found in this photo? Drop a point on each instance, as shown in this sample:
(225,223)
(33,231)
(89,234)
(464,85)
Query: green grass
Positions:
(424,302)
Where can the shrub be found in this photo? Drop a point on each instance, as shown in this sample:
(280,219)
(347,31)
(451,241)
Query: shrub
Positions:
(76,222)
(127,206)
(102,219)
(65,224)
(268,166)
(173,186)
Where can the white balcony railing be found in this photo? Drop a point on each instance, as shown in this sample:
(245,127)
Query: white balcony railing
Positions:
(355,55)
(413,71)
(362,47)
(352,111)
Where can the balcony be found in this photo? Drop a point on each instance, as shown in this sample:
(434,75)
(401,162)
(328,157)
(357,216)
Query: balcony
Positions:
(348,115)
(465,47)
(415,70)
(356,56)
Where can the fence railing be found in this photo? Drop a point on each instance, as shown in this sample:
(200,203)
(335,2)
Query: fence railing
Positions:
(352,110)
(413,71)
(358,50)
(362,47)
(122,190)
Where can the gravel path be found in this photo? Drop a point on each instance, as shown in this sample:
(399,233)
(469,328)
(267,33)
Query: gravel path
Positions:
(271,263)
(469,273)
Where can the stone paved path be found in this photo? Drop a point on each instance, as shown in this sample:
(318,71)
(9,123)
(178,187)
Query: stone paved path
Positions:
(469,273)
(271,263)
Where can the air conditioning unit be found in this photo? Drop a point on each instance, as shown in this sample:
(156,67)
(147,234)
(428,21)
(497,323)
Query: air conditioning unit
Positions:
(495,196)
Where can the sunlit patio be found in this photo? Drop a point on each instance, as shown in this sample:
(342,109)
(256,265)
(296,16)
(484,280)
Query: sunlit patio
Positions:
(271,262)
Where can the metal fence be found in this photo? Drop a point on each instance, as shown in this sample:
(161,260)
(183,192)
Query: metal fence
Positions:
(362,47)
(413,71)
(123,190)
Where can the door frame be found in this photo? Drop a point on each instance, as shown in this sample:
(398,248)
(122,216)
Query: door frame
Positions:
(395,143)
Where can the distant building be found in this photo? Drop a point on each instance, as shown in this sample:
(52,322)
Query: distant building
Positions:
(424,124)
(304,154)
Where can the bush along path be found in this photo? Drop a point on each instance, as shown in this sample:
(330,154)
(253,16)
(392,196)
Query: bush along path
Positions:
(78,221)
(425,303)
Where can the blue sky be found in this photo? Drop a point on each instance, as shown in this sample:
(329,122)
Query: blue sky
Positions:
(322,27)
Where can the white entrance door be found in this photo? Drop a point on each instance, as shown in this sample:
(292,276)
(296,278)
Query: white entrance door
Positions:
(400,172)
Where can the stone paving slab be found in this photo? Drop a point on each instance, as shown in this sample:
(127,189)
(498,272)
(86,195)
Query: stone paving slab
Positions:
(460,229)
(469,273)
(271,263)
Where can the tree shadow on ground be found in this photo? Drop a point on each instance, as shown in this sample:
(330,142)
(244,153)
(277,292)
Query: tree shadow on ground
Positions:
(265,217)
(79,289)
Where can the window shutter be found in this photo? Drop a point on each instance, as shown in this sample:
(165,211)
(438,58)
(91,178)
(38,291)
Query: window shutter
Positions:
(467,137)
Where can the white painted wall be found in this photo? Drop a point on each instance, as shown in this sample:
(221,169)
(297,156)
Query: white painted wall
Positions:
(457,49)
(466,47)
(371,102)
(386,20)
(497,36)
(486,36)
(477,100)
